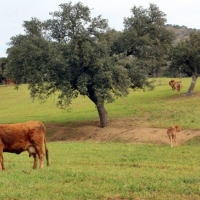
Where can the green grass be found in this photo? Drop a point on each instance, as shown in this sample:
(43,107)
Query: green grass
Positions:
(161,107)
(17,106)
(105,170)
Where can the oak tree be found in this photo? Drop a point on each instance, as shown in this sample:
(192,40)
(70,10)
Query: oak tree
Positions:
(70,54)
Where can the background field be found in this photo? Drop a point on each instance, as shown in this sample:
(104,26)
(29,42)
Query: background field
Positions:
(161,107)
(111,170)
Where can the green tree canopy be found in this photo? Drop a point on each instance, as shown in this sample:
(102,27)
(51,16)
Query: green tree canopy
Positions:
(71,54)
(146,37)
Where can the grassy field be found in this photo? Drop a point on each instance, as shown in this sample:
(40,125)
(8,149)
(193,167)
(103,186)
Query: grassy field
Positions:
(83,170)
(90,171)
(161,107)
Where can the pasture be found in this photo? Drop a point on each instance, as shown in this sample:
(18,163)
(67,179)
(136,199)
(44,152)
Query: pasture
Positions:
(161,107)
(82,170)
(111,170)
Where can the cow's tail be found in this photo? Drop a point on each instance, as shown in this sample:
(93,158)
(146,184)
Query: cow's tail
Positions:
(46,152)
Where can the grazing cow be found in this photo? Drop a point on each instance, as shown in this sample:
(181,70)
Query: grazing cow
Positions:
(172,83)
(171,132)
(9,81)
(176,85)
(27,136)
(179,86)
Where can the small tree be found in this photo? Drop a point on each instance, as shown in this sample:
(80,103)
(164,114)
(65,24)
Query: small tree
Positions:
(146,38)
(187,54)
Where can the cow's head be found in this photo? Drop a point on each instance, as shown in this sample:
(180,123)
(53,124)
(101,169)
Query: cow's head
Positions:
(171,83)
(177,128)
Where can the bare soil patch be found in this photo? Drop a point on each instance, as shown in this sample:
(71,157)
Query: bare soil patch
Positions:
(121,130)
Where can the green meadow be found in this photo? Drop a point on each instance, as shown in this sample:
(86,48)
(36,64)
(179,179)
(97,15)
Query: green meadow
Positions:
(113,170)
(162,106)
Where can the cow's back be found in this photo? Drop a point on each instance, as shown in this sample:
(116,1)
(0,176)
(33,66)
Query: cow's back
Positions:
(17,137)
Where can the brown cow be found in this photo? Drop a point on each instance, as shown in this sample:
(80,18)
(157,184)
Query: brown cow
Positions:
(9,81)
(171,132)
(27,136)
(172,83)
(176,85)
(179,86)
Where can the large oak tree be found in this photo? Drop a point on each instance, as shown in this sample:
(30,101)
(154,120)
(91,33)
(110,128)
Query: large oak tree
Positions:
(70,54)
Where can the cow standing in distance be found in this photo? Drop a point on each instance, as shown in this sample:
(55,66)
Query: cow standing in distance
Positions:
(171,132)
(28,136)
(9,81)
(176,85)
(172,83)
(179,86)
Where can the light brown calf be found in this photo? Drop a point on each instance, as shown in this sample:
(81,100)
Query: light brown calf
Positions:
(27,136)
(171,132)
(179,86)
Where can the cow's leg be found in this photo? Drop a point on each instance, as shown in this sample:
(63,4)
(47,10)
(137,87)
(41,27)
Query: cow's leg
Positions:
(3,167)
(35,161)
(175,140)
(1,157)
(171,140)
(1,161)
(40,155)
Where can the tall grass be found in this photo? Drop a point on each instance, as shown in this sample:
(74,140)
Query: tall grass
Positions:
(160,107)
(105,171)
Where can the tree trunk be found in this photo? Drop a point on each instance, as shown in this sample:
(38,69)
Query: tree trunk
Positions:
(103,115)
(192,85)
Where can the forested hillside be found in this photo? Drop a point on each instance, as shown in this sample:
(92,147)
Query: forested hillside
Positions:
(181,32)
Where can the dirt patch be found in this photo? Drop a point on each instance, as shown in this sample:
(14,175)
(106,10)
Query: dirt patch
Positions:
(123,130)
